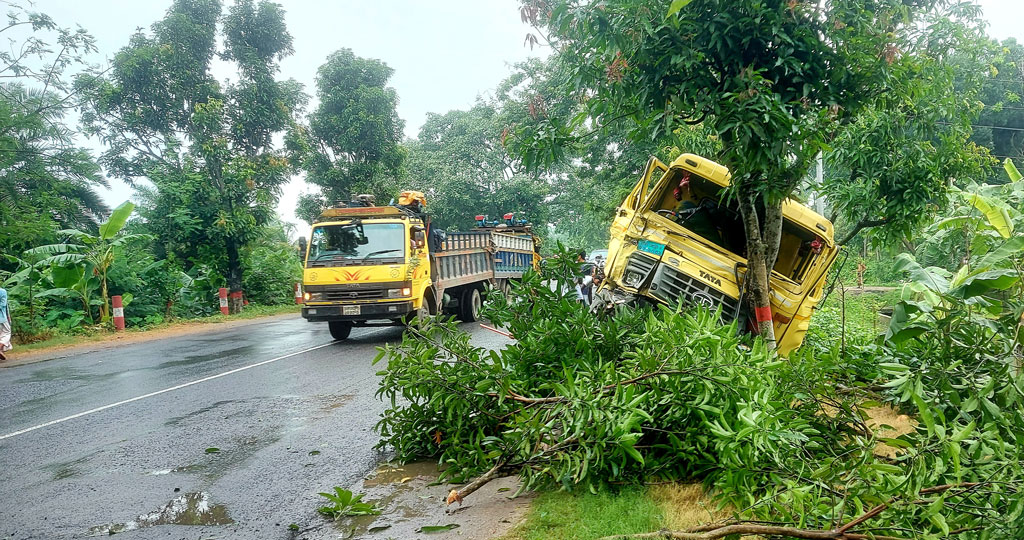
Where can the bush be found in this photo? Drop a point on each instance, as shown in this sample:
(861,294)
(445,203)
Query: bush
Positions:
(270,273)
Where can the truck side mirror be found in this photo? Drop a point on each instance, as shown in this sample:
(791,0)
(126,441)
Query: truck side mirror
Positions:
(302,247)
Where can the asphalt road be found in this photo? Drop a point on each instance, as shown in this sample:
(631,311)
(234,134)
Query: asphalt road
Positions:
(118,438)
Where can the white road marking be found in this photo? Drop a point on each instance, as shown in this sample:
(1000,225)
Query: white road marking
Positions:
(158,392)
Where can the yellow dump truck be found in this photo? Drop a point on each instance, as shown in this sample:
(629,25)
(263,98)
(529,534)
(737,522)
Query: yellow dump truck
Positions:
(676,239)
(368,265)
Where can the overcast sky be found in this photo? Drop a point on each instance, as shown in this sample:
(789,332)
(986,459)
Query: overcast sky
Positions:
(445,53)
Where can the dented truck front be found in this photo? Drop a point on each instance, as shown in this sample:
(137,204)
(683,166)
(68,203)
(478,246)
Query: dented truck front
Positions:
(656,254)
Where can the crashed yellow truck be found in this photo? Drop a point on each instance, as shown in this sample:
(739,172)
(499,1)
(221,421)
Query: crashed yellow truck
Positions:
(369,265)
(676,239)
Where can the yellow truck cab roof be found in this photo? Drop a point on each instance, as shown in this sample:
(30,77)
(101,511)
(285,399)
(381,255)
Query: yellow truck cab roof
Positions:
(339,214)
(792,210)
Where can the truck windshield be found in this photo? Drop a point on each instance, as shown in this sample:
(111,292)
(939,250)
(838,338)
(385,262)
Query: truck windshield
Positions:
(356,242)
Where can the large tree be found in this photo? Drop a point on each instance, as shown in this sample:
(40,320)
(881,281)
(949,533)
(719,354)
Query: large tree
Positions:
(207,148)
(47,183)
(889,169)
(351,144)
(459,161)
(1000,124)
(772,78)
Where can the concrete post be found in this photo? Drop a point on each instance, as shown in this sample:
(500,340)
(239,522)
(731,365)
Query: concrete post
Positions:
(118,313)
(223,292)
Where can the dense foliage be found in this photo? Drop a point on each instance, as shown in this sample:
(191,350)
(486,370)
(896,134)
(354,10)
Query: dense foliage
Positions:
(645,396)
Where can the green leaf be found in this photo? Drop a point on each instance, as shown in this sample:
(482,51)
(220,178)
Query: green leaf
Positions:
(212,450)
(964,432)
(1011,170)
(925,412)
(116,221)
(995,213)
(431,529)
(675,6)
(66,277)
(632,452)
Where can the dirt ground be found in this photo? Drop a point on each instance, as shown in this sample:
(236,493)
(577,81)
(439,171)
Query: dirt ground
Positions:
(410,498)
(19,358)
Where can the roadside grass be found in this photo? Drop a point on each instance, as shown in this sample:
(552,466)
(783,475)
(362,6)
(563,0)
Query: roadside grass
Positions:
(853,316)
(583,516)
(251,311)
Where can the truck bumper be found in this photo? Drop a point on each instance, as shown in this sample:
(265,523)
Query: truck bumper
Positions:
(367,312)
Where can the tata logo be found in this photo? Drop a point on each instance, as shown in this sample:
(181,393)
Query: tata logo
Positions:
(353,295)
(702,298)
(710,278)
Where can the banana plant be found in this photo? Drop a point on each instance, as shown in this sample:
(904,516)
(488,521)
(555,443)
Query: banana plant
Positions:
(92,255)
(991,266)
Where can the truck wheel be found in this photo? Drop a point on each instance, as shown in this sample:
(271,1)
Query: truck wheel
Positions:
(419,315)
(340,329)
(470,304)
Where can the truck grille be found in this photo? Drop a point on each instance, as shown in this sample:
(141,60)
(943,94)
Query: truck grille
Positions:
(356,294)
(671,285)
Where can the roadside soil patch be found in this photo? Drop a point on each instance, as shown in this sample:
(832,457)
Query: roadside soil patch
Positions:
(410,499)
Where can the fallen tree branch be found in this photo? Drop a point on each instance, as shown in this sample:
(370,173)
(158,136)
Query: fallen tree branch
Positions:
(604,389)
(721,530)
(458,495)
(744,529)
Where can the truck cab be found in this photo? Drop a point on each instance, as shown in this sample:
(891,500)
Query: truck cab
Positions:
(365,263)
(677,239)
(368,265)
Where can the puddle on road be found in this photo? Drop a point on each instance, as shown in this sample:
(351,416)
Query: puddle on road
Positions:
(390,473)
(188,509)
(409,497)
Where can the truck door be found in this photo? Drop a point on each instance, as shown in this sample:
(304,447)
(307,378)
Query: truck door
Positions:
(625,212)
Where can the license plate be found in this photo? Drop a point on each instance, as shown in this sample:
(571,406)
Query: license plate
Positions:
(350,310)
(311,311)
(653,248)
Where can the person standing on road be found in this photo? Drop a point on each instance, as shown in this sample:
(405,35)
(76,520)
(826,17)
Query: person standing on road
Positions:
(5,325)
(585,281)
(861,269)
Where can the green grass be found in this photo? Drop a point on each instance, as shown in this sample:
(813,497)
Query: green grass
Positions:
(565,516)
(861,320)
(251,311)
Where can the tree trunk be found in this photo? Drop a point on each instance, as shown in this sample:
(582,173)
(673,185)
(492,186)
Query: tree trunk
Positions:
(772,233)
(757,285)
(234,277)
(105,306)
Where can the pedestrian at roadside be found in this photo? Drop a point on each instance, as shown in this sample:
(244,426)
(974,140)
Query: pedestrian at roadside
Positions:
(586,279)
(861,269)
(5,325)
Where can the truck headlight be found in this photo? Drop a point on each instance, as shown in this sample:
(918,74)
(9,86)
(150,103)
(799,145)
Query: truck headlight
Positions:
(633,279)
(399,293)
(314,296)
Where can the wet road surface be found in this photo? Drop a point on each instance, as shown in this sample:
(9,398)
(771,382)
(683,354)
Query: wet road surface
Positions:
(232,432)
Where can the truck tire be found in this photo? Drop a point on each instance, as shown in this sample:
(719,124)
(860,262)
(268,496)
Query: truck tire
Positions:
(417,316)
(340,329)
(470,304)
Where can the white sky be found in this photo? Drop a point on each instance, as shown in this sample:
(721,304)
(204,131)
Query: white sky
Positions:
(445,53)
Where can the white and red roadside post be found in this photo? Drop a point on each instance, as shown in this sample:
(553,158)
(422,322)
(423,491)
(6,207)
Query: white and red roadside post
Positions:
(223,292)
(298,292)
(118,313)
